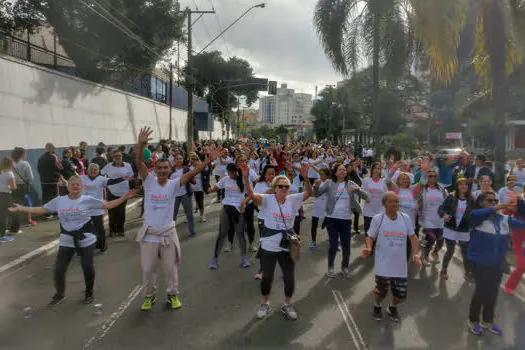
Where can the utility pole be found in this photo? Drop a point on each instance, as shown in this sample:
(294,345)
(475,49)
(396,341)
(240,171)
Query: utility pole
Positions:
(170,91)
(189,78)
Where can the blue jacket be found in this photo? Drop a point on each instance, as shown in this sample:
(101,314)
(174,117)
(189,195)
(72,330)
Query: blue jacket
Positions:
(446,171)
(489,246)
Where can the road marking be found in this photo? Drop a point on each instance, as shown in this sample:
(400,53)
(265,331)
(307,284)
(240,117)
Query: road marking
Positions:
(49,246)
(113,318)
(361,340)
(340,304)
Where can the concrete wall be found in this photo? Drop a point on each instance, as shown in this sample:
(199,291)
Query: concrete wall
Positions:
(38,105)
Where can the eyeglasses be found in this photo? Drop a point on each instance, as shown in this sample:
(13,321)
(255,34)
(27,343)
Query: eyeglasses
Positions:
(286,187)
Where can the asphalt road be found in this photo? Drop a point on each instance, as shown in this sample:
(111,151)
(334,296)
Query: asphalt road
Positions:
(219,306)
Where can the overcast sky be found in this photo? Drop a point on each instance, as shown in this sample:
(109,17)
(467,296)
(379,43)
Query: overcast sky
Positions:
(279,41)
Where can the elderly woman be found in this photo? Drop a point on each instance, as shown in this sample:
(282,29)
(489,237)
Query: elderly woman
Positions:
(279,211)
(94,185)
(76,233)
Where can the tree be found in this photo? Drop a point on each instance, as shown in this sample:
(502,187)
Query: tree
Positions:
(377,30)
(19,15)
(100,50)
(282,132)
(215,79)
(498,49)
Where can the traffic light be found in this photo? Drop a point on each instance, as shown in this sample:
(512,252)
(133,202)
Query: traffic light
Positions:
(272,88)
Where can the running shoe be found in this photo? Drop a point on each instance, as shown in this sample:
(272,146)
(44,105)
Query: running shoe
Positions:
(435,258)
(214,265)
(7,232)
(330,273)
(56,299)
(245,263)
(393,314)
(345,272)
(289,312)
(509,290)
(313,244)
(377,313)
(263,311)
(475,328)
(229,247)
(32,222)
(173,302)
(491,327)
(6,239)
(203,218)
(148,303)
(88,299)
(258,276)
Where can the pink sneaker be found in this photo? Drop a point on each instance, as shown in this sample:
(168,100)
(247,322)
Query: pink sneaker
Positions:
(258,276)
(32,222)
(508,290)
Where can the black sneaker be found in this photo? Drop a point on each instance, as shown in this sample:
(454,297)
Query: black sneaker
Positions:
(55,300)
(88,299)
(377,314)
(393,314)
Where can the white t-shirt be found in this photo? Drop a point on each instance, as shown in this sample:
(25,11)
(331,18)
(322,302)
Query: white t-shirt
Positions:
(312,174)
(453,234)
(274,220)
(95,189)
(504,194)
(197,186)
(159,204)
(5,181)
(319,207)
(73,215)
(232,194)
(342,205)
(177,174)
(520,174)
(114,172)
(408,203)
(391,244)
(220,168)
(375,191)
(261,188)
(432,200)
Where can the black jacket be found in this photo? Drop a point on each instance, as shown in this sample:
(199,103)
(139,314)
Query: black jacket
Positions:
(449,207)
(47,168)
(484,171)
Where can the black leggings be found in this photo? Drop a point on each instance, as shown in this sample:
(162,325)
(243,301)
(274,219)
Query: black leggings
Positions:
(64,256)
(199,200)
(248,217)
(5,202)
(367,221)
(269,260)
(313,230)
(356,221)
(488,279)
(117,215)
(100,231)
(451,247)
(220,192)
(18,196)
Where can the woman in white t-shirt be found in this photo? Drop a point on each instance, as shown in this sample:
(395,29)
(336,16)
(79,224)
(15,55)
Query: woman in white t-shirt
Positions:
(198,186)
(319,207)
(264,185)
(76,232)
(116,171)
(279,210)
(7,184)
(485,185)
(231,217)
(374,187)
(510,191)
(94,185)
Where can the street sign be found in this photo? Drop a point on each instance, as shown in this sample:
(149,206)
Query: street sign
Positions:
(453,136)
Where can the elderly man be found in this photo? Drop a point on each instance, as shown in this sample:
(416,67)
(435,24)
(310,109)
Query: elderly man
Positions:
(390,231)
(49,167)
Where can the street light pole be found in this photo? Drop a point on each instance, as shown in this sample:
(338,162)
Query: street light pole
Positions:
(263,5)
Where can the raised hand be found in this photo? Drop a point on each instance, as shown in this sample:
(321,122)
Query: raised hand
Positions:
(213,152)
(317,182)
(304,169)
(131,193)
(245,170)
(144,135)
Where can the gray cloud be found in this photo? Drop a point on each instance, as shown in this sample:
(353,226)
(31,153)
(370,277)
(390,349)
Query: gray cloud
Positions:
(279,40)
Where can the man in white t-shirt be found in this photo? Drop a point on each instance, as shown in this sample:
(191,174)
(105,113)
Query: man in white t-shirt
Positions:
(390,231)
(158,237)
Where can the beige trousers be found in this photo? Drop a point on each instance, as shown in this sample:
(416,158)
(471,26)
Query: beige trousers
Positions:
(149,255)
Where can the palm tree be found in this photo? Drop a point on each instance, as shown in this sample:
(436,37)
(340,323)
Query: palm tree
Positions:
(498,48)
(350,30)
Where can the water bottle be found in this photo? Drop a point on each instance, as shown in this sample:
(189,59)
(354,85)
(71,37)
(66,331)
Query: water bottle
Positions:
(98,309)
(28,312)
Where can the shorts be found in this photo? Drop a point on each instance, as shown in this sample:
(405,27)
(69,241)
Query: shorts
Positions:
(398,287)
(436,233)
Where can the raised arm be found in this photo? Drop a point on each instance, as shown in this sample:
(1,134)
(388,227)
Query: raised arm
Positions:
(115,203)
(31,210)
(307,185)
(144,137)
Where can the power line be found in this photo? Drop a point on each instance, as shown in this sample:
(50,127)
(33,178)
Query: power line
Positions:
(121,14)
(203,23)
(220,28)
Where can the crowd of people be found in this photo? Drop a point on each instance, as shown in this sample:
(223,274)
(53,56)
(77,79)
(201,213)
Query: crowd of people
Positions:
(450,200)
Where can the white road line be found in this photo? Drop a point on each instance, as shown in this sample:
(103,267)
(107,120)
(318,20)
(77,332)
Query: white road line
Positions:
(356,329)
(48,247)
(346,318)
(113,318)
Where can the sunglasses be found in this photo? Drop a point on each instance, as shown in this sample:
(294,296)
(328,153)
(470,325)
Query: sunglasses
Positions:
(429,176)
(492,200)
(286,187)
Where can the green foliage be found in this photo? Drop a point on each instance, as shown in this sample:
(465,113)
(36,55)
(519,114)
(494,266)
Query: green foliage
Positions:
(19,15)
(100,50)
(267,132)
(403,142)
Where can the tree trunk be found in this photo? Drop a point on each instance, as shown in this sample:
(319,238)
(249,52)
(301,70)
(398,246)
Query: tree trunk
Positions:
(375,84)
(494,29)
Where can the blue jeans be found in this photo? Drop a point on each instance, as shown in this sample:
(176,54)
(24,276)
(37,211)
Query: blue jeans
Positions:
(338,230)
(187,205)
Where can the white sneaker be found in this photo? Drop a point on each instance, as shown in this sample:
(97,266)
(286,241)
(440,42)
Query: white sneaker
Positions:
(203,218)
(263,311)
(289,312)
(228,248)
(330,273)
